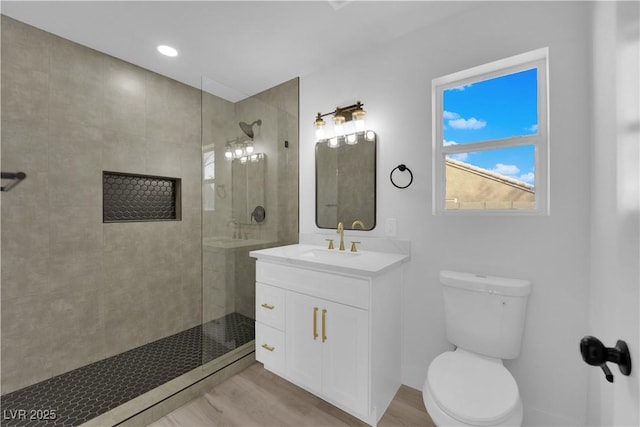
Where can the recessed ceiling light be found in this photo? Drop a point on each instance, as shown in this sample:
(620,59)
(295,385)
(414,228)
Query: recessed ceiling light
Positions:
(167,50)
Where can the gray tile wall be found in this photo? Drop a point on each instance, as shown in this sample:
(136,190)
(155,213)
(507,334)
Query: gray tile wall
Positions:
(75,290)
(229,272)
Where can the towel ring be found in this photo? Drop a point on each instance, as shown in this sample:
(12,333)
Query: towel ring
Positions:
(401,168)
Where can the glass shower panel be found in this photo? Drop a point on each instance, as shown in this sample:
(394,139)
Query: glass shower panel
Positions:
(250,201)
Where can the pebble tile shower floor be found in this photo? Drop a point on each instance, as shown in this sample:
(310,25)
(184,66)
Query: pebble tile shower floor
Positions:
(77,396)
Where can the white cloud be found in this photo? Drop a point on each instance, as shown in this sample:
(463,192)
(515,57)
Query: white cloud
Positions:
(507,170)
(529,178)
(512,171)
(533,128)
(449,115)
(471,123)
(462,157)
(463,87)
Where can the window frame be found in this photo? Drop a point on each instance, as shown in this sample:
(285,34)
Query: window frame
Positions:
(534,59)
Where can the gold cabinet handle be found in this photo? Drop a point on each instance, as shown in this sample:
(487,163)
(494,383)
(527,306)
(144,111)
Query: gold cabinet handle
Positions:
(268,306)
(324,321)
(266,347)
(315,323)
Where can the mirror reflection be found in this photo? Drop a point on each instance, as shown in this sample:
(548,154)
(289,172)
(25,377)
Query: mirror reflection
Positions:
(248,178)
(346,182)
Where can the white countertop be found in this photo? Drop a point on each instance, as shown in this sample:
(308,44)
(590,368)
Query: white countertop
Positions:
(365,263)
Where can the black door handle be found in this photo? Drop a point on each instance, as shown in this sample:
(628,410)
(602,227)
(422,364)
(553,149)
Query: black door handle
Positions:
(596,354)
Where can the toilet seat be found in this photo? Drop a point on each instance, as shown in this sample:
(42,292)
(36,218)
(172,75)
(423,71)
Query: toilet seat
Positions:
(473,389)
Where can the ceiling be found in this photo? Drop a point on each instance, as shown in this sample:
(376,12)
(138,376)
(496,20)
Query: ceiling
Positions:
(239,48)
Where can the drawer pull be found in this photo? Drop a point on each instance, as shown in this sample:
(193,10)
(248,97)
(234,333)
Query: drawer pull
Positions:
(268,307)
(324,321)
(266,347)
(315,323)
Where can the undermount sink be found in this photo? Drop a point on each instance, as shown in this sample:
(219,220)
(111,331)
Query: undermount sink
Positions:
(365,262)
(326,254)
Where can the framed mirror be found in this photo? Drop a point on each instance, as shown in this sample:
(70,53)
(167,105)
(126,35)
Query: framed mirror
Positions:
(346,182)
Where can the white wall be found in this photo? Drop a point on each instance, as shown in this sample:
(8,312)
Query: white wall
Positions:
(394,82)
(615,209)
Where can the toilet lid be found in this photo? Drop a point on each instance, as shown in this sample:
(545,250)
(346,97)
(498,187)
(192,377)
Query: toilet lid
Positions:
(472,389)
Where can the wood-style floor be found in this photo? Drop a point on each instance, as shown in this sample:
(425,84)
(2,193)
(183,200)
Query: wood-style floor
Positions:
(257,397)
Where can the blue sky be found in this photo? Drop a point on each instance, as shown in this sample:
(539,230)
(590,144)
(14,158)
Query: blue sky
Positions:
(502,107)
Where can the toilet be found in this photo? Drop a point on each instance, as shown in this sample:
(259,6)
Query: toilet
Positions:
(485,318)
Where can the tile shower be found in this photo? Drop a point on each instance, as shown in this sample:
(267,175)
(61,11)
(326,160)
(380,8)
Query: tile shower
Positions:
(77,291)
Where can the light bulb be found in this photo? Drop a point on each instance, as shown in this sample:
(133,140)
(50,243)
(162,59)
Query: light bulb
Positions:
(358,117)
(370,135)
(249,147)
(338,124)
(238,151)
(351,138)
(319,124)
(333,142)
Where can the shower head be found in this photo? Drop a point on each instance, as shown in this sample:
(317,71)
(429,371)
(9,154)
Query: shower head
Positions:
(248,128)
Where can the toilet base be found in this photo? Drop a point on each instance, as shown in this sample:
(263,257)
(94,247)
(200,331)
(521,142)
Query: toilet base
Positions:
(441,418)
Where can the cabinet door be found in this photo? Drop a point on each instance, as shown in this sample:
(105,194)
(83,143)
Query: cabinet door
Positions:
(345,370)
(303,342)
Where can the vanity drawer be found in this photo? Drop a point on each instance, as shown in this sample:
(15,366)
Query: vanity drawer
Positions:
(270,347)
(347,290)
(270,305)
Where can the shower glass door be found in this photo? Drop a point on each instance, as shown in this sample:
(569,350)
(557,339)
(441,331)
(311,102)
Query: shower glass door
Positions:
(249,202)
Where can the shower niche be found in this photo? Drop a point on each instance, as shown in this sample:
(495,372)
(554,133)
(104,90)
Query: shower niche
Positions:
(134,198)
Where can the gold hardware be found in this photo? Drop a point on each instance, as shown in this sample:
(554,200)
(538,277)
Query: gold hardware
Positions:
(330,243)
(266,347)
(353,247)
(324,320)
(315,323)
(340,231)
(357,222)
(268,307)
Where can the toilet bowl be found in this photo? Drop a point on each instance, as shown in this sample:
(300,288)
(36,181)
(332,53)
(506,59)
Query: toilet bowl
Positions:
(467,389)
(485,318)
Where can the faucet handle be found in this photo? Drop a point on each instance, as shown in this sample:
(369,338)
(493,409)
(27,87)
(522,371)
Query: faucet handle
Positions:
(330,243)
(353,247)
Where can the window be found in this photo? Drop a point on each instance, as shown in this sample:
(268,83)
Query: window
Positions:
(208,178)
(490,138)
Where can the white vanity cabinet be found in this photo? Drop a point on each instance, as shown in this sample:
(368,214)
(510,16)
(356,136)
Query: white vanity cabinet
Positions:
(327,349)
(332,333)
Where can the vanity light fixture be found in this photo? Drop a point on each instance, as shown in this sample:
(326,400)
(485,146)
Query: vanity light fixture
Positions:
(348,122)
(167,50)
(237,149)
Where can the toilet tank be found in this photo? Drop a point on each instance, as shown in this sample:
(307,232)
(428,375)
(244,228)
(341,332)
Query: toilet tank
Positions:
(485,314)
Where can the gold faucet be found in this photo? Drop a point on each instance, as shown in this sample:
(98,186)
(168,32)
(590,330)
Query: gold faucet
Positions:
(357,222)
(340,231)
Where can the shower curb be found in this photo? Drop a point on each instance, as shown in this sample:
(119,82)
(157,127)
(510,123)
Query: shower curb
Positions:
(155,404)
